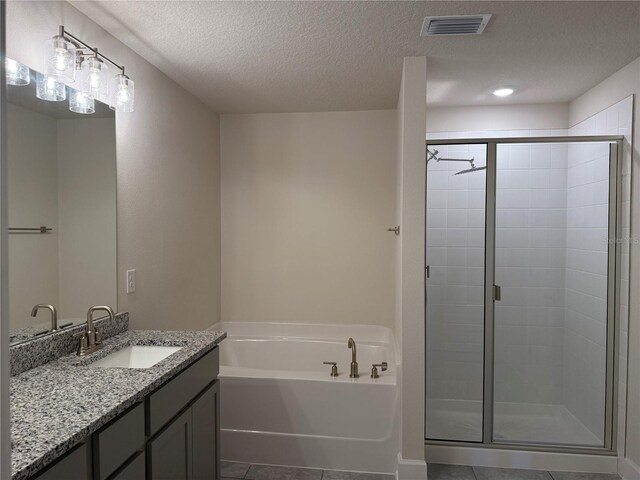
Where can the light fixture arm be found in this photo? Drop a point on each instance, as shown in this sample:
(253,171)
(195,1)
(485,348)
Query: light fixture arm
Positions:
(70,37)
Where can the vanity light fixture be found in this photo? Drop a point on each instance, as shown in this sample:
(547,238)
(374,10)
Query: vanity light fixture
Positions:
(94,77)
(48,88)
(60,58)
(67,58)
(121,90)
(80,102)
(17,73)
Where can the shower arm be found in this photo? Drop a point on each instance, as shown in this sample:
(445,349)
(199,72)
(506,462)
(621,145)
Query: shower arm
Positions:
(434,156)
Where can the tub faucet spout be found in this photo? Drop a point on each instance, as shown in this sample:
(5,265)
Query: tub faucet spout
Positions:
(354,364)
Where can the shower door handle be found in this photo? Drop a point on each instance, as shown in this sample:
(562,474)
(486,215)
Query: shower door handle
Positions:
(497,293)
(427,271)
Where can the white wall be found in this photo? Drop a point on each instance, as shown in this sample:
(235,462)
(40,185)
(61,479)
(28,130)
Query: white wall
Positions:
(86,152)
(609,92)
(306,202)
(410,271)
(168,178)
(474,120)
(33,200)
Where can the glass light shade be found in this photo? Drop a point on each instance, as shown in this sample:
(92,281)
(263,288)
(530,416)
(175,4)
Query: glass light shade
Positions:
(60,59)
(121,93)
(17,73)
(95,78)
(47,88)
(80,102)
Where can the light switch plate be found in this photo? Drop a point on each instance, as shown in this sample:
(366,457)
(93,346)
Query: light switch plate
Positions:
(131,281)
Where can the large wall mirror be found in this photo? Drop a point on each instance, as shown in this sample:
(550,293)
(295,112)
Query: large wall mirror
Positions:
(61,210)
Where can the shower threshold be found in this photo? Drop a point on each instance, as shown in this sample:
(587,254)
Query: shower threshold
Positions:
(461,420)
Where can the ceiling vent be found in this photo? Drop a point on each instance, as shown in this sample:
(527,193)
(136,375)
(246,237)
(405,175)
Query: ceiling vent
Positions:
(454,25)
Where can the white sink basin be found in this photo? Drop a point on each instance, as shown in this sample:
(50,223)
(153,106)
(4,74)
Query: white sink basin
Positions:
(136,356)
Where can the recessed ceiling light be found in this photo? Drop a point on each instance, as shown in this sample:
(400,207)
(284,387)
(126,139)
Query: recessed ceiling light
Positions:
(503,91)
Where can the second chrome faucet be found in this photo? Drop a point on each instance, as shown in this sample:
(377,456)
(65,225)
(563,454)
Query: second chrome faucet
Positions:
(353,371)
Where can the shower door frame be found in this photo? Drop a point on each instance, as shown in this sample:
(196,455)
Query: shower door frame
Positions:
(614,254)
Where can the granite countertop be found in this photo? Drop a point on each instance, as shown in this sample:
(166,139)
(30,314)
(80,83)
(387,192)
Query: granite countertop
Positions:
(59,404)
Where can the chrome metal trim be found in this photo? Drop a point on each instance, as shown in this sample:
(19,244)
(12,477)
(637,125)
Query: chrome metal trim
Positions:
(508,140)
(611,283)
(489,281)
(525,447)
(614,279)
(42,229)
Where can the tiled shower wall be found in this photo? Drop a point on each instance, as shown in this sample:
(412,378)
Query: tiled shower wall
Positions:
(585,308)
(455,255)
(583,352)
(531,202)
(531,216)
(549,354)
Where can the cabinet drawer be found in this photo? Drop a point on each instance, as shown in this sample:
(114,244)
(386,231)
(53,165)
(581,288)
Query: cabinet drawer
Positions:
(73,465)
(168,400)
(118,441)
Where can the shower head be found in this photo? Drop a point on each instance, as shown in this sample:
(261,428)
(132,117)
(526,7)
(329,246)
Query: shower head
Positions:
(469,170)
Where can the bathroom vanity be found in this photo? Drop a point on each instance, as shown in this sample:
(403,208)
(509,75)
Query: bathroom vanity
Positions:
(92,418)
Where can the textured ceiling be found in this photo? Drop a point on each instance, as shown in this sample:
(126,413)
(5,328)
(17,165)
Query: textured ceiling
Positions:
(322,56)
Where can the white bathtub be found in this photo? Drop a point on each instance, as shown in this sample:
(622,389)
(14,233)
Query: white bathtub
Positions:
(279,405)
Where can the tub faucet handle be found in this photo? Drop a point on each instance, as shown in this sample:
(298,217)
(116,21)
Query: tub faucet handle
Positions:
(374,369)
(334,368)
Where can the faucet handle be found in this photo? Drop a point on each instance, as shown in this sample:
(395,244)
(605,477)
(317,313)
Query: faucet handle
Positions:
(83,343)
(98,336)
(334,368)
(374,369)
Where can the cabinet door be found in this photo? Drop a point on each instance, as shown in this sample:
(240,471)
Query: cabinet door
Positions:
(134,471)
(73,465)
(170,452)
(206,434)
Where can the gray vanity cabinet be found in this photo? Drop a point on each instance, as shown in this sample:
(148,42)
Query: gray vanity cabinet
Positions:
(187,448)
(74,464)
(134,470)
(172,435)
(206,434)
(170,453)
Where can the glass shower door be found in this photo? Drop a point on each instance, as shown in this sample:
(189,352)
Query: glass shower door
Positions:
(551,311)
(456,187)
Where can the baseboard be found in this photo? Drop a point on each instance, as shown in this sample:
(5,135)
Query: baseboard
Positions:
(628,470)
(411,469)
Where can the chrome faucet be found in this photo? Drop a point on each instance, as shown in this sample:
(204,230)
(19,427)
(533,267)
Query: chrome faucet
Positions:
(91,339)
(353,372)
(54,314)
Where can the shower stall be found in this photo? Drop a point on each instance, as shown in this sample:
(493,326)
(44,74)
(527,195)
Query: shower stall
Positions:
(522,262)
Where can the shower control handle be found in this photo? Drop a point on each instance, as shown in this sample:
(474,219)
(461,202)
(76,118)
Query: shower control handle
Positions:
(334,368)
(374,369)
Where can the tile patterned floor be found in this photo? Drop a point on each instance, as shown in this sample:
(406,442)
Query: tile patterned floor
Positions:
(458,472)
(234,471)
